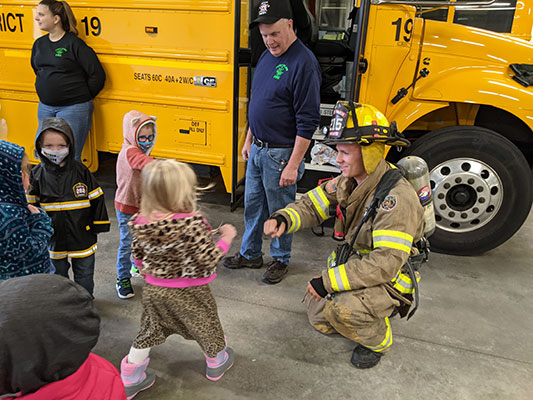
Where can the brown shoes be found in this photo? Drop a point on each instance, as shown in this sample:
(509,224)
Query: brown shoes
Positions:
(275,272)
(238,261)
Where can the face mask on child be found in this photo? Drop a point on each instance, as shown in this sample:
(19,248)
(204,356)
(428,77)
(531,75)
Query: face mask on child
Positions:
(145,146)
(56,156)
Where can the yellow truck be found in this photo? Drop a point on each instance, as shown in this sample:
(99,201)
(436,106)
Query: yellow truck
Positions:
(455,76)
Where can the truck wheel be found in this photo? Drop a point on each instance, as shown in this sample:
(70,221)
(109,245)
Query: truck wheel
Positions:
(482,188)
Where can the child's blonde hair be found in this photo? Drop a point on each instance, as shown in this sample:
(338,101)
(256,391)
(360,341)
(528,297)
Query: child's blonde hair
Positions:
(168,186)
(26,171)
(25,164)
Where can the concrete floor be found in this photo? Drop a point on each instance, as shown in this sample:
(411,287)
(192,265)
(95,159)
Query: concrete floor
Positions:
(470,339)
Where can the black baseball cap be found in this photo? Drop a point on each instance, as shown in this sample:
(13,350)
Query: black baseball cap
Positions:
(271,11)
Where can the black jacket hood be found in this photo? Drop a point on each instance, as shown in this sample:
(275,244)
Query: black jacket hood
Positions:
(61,126)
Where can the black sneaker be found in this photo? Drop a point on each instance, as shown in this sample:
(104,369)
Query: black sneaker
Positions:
(275,272)
(238,261)
(124,289)
(363,357)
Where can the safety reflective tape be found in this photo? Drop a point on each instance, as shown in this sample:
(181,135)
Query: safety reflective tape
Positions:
(83,253)
(331,259)
(393,239)
(364,251)
(397,234)
(387,342)
(339,279)
(32,199)
(333,279)
(295,219)
(344,277)
(403,283)
(58,255)
(320,201)
(95,193)
(67,205)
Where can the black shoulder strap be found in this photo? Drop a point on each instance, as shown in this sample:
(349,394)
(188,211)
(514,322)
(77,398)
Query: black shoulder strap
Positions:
(386,183)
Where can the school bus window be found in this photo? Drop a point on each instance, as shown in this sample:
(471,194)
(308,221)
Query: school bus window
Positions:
(497,17)
(434,14)
(333,14)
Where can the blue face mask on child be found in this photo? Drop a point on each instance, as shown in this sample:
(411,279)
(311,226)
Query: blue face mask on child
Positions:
(145,140)
(145,146)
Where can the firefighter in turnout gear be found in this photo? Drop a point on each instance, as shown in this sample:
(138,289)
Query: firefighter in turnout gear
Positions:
(356,296)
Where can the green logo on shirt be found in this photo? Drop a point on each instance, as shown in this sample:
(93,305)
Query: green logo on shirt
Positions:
(60,51)
(280,70)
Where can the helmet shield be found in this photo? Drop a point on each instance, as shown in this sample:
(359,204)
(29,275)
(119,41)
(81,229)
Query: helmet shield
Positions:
(363,124)
(338,122)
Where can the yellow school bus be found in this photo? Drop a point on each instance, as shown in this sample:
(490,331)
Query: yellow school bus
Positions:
(453,75)
(456,81)
(171,59)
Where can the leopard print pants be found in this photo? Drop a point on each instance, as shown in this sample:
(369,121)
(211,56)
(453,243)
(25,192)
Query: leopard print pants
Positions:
(190,312)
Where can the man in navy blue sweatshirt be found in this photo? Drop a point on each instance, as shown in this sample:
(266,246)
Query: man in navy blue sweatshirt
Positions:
(284,112)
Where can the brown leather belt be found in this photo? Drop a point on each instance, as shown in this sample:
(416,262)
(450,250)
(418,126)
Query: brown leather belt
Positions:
(259,143)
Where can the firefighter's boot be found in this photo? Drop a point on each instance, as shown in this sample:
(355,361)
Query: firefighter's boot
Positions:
(363,357)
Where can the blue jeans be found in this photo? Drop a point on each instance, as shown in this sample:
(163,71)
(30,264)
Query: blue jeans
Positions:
(83,269)
(78,116)
(263,196)
(124,247)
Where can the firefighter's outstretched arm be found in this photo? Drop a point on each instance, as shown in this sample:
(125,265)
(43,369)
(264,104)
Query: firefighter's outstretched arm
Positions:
(310,210)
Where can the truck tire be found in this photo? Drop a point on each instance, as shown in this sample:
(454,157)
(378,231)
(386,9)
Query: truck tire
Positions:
(482,188)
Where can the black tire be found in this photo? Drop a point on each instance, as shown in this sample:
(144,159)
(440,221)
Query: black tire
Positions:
(482,187)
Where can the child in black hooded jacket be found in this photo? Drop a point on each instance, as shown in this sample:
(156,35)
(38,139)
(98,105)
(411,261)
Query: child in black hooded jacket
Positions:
(68,192)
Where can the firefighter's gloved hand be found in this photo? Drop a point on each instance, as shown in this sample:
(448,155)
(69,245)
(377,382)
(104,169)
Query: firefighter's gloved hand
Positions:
(317,284)
(275,227)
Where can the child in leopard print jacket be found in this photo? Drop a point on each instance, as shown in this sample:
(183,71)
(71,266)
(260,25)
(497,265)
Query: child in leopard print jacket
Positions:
(179,258)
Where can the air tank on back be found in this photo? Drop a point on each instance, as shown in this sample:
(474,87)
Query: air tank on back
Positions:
(416,172)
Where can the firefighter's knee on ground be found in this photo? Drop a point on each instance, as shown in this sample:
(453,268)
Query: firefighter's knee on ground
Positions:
(315,315)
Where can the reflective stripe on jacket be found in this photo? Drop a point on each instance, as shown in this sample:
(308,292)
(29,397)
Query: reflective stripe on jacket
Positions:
(74,200)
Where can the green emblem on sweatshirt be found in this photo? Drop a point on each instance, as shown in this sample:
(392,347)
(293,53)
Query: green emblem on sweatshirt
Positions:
(280,70)
(60,51)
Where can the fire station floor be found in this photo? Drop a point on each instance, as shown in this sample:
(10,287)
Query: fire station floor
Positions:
(471,338)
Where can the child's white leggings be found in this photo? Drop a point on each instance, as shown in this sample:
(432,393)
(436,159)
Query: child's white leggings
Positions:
(137,356)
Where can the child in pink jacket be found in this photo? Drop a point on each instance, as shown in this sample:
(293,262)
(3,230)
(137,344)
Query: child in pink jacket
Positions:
(139,138)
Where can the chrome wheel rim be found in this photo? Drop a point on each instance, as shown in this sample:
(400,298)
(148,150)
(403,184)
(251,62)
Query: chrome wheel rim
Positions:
(467,194)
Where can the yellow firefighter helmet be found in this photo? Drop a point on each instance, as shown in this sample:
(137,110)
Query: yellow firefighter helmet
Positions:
(366,125)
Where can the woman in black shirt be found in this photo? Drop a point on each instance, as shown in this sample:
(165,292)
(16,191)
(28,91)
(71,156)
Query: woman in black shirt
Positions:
(68,72)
